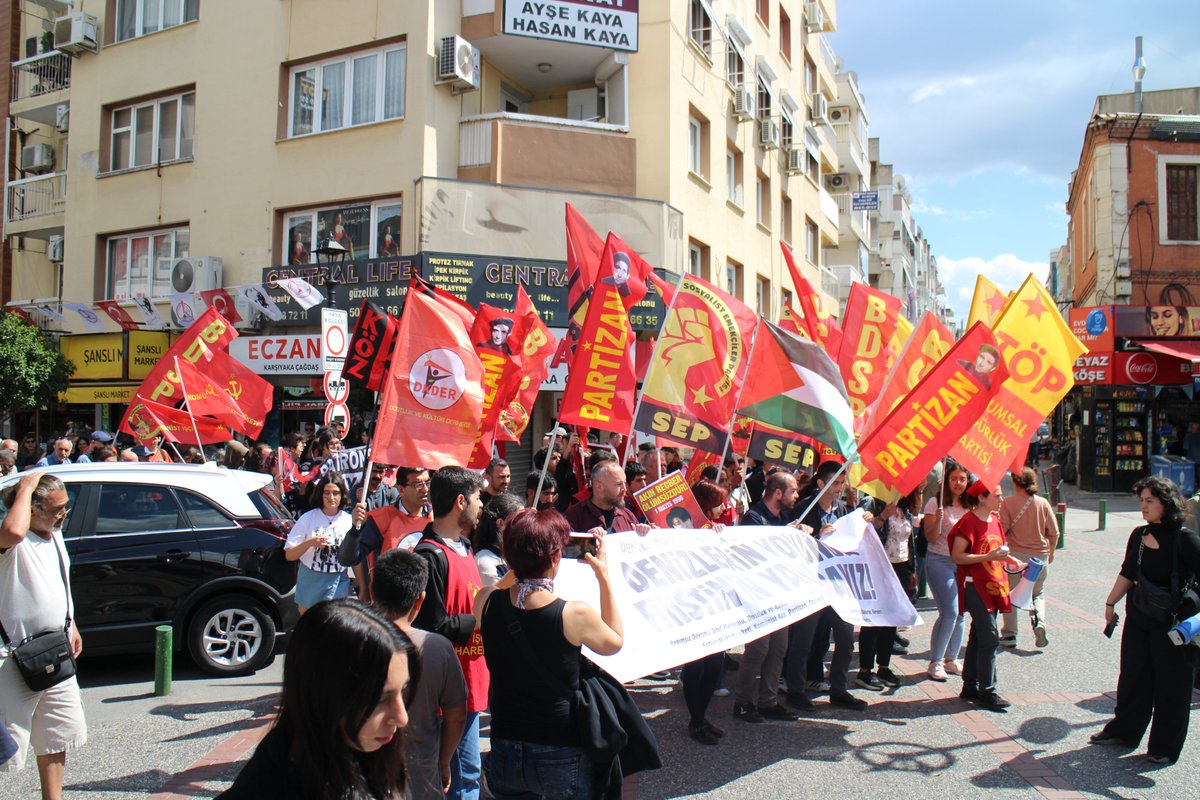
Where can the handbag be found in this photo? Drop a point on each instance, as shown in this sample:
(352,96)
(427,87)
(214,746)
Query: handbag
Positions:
(1161,605)
(45,659)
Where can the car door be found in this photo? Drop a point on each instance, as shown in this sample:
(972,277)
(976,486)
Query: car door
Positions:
(133,559)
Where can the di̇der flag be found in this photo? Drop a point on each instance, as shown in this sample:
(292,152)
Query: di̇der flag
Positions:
(537,346)
(692,384)
(601,385)
(370,346)
(432,399)
(146,420)
(927,422)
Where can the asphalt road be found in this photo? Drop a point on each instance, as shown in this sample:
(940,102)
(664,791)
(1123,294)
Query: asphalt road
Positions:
(917,741)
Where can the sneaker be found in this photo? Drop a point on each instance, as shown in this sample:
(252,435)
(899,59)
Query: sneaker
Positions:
(953,666)
(703,735)
(869,682)
(1039,635)
(993,702)
(847,700)
(778,713)
(969,693)
(903,642)
(1008,641)
(714,730)
(817,686)
(799,701)
(721,692)
(746,712)
(887,677)
(899,649)
(937,671)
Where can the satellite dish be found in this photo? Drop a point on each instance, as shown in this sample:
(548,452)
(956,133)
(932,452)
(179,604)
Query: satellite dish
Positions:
(183,276)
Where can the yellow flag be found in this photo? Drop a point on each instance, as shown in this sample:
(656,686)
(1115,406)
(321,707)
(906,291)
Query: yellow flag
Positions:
(904,329)
(987,303)
(876,488)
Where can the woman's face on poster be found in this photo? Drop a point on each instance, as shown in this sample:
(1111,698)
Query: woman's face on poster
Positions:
(1166,321)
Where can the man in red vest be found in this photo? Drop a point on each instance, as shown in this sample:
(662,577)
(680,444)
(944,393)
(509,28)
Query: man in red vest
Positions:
(449,597)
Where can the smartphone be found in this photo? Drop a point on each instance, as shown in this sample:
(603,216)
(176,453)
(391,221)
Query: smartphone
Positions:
(1112,626)
(581,544)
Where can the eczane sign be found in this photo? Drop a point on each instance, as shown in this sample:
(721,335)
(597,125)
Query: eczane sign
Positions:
(279,355)
(612,24)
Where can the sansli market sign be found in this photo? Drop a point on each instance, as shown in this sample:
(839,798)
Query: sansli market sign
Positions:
(612,24)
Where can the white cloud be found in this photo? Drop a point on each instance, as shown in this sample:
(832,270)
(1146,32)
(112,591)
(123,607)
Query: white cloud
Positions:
(1006,270)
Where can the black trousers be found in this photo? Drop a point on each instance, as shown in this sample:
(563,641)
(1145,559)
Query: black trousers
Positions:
(979,664)
(1154,689)
(808,639)
(699,679)
(875,648)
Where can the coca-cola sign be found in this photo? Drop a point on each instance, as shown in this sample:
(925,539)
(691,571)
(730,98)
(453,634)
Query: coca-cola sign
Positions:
(1141,368)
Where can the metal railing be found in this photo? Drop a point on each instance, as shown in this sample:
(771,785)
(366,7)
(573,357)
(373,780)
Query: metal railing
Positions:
(37,197)
(41,74)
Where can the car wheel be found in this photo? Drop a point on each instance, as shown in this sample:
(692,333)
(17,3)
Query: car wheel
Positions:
(232,635)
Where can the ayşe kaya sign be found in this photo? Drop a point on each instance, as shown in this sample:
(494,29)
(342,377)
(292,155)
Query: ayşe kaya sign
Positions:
(612,24)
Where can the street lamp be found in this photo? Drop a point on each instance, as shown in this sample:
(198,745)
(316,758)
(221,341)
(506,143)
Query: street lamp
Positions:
(332,253)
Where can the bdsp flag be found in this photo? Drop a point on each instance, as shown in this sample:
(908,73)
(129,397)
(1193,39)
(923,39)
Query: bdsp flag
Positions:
(231,402)
(815,322)
(537,346)
(146,420)
(432,394)
(692,384)
(1040,351)
(118,314)
(870,321)
(922,428)
(601,385)
(370,346)
(209,333)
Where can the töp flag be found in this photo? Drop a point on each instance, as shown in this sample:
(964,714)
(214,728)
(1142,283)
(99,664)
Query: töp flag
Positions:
(209,333)
(869,323)
(146,420)
(432,399)
(602,382)
(1040,350)
(537,346)
(815,323)
(906,444)
(986,303)
(793,384)
(692,384)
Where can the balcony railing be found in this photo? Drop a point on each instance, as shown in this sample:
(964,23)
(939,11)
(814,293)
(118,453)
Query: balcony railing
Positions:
(41,74)
(857,219)
(36,197)
(829,207)
(828,55)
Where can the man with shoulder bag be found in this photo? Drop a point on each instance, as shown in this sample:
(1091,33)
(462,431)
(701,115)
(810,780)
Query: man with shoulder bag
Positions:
(40,701)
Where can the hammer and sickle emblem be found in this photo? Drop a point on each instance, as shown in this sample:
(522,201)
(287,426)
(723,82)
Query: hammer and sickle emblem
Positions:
(235,390)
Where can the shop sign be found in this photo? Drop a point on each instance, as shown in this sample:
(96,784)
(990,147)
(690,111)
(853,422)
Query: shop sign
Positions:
(1151,369)
(98,393)
(383,281)
(302,405)
(1093,368)
(146,349)
(611,24)
(1093,326)
(279,355)
(97,356)
(1143,321)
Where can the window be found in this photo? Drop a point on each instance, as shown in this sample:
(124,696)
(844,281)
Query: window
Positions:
(366,230)
(697,258)
(698,144)
(201,512)
(787,129)
(735,66)
(127,508)
(139,17)
(812,241)
(1181,202)
(141,263)
(785,212)
(763,10)
(733,277)
(812,167)
(785,300)
(156,132)
(700,27)
(733,176)
(353,90)
(763,201)
(765,99)
(762,296)
(785,35)
(810,76)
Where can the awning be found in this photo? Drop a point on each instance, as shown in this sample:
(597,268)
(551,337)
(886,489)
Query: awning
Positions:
(98,393)
(1188,351)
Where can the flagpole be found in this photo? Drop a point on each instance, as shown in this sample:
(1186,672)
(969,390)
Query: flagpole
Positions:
(537,496)
(188,403)
(637,408)
(178,454)
(738,399)
(817,496)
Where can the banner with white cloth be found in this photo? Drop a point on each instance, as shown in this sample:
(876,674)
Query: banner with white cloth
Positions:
(683,594)
(350,463)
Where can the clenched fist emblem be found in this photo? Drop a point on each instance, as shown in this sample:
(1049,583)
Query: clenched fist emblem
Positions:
(686,340)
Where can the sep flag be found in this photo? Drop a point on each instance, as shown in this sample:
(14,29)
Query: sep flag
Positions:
(602,382)
(432,394)
(793,384)
(925,347)
(870,322)
(692,383)
(1040,351)
(146,420)
(820,324)
(537,346)
(986,303)
(920,430)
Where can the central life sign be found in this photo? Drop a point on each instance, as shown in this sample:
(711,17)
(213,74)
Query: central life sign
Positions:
(612,24)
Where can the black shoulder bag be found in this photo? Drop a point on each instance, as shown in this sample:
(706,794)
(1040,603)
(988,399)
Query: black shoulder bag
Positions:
(1158,604)
(45,659)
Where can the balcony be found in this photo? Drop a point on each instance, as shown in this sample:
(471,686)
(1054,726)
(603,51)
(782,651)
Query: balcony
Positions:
(529,150)
(850,145)
(40,84)
(857,220)
(34,206)
(829,207)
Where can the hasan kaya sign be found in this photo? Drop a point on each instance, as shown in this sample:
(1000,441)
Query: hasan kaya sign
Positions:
(612,24)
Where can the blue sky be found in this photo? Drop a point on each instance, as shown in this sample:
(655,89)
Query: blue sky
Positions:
(982,107)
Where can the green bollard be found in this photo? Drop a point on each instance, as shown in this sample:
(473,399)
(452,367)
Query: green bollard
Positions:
(163,650)
(1061,516)
(1103,514)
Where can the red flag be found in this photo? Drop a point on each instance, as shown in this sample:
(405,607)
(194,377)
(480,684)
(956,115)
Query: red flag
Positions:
(701,459)
(209,395)
(145,420)
(930,419)
(449,302)
(537,345)
(600,388)
(223,303)
(929,342)
(492,335)
(584,249)
(779,446)
(662,287)
(821,326)
(871,318)
(251,392)
(210,332)
(118,314)
(432,394)
(370,346)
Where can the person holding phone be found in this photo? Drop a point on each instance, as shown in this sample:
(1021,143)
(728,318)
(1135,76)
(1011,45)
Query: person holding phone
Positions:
(314,541)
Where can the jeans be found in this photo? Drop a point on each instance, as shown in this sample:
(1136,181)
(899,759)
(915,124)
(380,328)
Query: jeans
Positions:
(1009,626)
(979,666)
(465,765)
(947,635)
(531,770)
(758,674)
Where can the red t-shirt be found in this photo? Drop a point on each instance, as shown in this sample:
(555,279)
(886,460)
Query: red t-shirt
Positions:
(989,577)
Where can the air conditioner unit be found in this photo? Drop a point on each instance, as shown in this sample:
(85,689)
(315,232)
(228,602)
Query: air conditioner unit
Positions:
(37,158)
(196,274)
(795,160)
(814,17)
(839,114)
(75,33)
(768,134)
(62,117)
(838,180)
(458,64)
(54,249)
(744,102)
(820,108)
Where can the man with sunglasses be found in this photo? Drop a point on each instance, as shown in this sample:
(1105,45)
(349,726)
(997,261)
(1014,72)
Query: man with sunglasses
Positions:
(390,526)
(35,598)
